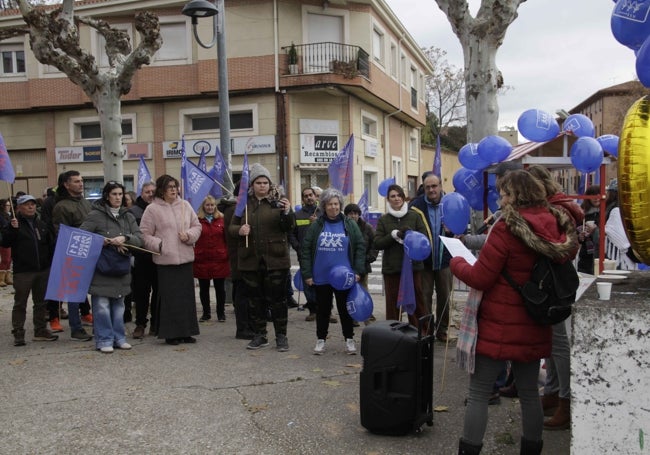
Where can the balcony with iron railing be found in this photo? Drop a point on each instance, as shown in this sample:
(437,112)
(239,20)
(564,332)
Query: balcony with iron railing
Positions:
(344,59)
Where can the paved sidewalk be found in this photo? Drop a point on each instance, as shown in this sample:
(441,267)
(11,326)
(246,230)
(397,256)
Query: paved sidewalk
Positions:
(217,397)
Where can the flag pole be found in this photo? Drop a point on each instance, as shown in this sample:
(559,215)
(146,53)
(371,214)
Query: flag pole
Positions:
(13,213)
(246,216)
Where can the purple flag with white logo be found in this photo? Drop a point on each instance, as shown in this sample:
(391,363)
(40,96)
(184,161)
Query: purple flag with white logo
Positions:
(202,164)
(242,197)
(73,264)
(363,205)
(183,168)
(217,173)
(197,185)
(7,172)
(340,169)
(406,293)
(143,176)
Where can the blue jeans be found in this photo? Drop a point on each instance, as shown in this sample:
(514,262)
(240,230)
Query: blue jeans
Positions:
(108,321)
(74,319)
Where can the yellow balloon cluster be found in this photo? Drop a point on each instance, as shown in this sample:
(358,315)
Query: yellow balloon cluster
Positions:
(634,176)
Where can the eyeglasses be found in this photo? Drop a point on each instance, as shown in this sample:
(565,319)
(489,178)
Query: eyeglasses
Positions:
(171,187)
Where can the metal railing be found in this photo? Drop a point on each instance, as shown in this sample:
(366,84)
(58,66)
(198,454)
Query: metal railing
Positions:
(347,60)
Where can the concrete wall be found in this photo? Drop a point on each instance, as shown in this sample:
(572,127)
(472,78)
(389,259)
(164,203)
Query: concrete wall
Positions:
(610,370)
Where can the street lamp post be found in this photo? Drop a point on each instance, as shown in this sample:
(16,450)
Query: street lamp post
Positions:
(203,8)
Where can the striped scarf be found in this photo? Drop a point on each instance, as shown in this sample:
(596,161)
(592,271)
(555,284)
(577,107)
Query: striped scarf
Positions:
(468,332)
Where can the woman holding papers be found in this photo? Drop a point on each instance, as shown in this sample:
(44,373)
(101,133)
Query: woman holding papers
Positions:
(170,227)
(502,329)
(111,219)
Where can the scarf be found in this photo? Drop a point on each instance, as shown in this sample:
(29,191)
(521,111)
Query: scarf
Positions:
(399,213)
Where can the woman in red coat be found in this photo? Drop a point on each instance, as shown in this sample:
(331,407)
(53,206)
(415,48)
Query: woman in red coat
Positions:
(503,330)
(211,258)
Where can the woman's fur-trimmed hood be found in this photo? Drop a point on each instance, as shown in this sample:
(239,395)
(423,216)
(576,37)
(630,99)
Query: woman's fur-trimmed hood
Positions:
(548,234)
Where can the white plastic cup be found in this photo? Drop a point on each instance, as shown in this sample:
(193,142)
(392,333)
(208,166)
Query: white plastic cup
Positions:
(609,264)
(604,290)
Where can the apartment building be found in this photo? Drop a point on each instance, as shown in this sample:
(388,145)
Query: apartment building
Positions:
(303,76)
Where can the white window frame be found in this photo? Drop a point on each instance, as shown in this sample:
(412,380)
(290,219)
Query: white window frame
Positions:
(370,181)
(13,46)
(413,73)
(370,119)
(185,55)
(403,62)
(185,117)
(378,45)
(75,124)
(413,146)
(394,64)
(396,170)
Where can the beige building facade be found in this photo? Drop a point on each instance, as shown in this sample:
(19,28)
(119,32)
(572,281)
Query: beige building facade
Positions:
(357,71)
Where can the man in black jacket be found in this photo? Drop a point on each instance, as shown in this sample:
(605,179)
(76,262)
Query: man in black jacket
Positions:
(32,246)
(144,278)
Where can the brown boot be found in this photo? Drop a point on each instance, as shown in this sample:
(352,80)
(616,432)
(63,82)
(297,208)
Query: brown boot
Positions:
(550,403)
(9,277)
(561,420)
(3,274)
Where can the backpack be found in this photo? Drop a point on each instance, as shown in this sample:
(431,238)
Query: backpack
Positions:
(550,292)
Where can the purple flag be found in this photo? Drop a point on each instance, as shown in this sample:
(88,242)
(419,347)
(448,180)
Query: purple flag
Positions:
(143,175)
(242,197)
(340,169)
(202,164)
(217,172)
(363,204)
(197,185)
(7,172)
(406,293)
(437,160)
(73,264)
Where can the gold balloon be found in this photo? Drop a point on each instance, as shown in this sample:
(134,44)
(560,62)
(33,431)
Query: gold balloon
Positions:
(634,176)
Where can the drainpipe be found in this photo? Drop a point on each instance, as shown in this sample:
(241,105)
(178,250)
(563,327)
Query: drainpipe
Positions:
(276,46)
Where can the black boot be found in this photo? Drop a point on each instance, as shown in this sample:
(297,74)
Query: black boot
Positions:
(465,448)
(531,447)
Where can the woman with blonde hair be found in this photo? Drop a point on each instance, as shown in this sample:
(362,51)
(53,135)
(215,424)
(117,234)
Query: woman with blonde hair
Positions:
(211,258)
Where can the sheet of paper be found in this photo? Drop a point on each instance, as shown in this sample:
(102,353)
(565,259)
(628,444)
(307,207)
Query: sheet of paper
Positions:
(586,280)
(456,248)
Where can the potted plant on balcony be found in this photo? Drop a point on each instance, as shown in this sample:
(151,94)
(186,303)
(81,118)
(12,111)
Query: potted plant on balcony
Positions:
(293,59)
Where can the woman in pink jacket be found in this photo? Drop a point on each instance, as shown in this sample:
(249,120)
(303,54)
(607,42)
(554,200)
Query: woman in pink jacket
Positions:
(497,327)
(170,227)
(211,258)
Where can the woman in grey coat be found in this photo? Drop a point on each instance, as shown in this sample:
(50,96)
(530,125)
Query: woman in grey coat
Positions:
(110,219)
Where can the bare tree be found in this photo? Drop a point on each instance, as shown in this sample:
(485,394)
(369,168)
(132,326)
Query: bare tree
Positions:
(54,39)
(480,38)
(445,92)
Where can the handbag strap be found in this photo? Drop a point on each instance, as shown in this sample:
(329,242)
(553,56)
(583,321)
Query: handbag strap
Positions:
(510,281)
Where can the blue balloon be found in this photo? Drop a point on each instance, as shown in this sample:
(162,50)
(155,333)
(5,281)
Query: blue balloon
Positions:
(455,212)
(359,303)
(297,208)
(468,157)
(631,23)
(609,143)
(475,199)
(494,149)
(586,154)
(297,281)
(382,189)
(342,277)
(579,125)
(643,63)
(537,125)
(416,245)
(466,181)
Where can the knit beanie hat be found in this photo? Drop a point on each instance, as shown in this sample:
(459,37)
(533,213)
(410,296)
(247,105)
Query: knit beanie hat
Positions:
(256,171)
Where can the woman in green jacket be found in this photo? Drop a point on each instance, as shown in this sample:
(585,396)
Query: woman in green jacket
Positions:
(389,236)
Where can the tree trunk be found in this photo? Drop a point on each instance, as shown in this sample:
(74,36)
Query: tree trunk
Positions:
(108,104)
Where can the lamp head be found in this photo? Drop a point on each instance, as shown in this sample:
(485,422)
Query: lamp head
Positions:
(199,8)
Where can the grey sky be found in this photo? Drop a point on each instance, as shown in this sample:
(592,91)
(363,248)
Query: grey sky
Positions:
(555,54)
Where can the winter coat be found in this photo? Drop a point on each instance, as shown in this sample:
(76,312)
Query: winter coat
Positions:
(210,251)
(356,251)
(227,207)
(368,234)
(394,251)
(569,206)
(442,261)
(505,330)
(71,212)
(101,221)
(31,247)
(297,234)
(160,225)
(268,239)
